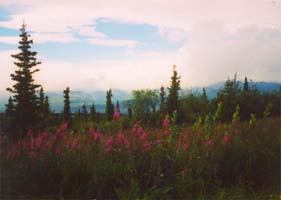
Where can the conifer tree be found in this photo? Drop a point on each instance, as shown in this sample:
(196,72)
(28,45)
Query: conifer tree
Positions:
(25,90)
(173,98)
(162,98)
(84,111)
(130,113)
(10,112)
(117,106)
(66,108)
(109,106)
(93,113)
(246,85)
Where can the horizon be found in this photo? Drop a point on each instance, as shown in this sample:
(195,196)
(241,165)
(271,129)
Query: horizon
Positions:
(135,47)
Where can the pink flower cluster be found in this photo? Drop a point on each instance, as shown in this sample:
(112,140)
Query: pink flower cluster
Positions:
(116,115)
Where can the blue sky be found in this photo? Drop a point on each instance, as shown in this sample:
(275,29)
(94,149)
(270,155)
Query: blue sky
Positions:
(134,44)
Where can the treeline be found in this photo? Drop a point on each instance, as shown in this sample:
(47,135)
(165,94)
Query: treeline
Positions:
(29,108)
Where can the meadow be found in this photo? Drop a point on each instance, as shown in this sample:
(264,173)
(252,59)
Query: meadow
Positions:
(208,160)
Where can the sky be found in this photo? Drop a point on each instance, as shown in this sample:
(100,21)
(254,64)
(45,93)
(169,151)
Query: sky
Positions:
(129,44)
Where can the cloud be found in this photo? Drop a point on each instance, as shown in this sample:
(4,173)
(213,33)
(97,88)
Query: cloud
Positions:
(8,39)
(89,31)
(220,38)
(42,38)
(113,42)
(172,35)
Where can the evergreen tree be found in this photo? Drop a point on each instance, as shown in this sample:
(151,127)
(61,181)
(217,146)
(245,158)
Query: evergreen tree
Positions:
(162,99)
(25,90)
(117,106)
(10,112)
(204,95)
(93,113)
(246,85)
(84,111)
(66,108)
(109,106)
(130,112)
(173,98)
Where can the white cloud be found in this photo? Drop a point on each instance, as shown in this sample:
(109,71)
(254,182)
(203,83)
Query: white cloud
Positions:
(8,39)
(54,37)
(222,37)
(89,31)
(172,35)
(113,42)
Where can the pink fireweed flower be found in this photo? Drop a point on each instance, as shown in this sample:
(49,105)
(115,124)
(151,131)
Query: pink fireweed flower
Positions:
(75,145)
(226,138)
(116,115)
(121,138)
(95,135)
(58,150)
(186,146)
(30,133)
(144,136)
(108,145)
(137,129)
(208,143)
(146,146)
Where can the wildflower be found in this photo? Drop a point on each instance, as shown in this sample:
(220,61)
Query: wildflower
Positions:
(108,145)
(146,146)
(144,136)
(30,133)
(121,138)
(95,135)
(208,142)
(226,138)
(58,150)
(75,145)
(116,115)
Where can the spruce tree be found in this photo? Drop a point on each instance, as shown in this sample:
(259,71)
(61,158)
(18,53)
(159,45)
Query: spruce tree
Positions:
(246,85)
(9,113)
(66,108)
(162,99)
(93,113)
(117,106)
(25,90)
(173,98)
(109,106)
(84,112)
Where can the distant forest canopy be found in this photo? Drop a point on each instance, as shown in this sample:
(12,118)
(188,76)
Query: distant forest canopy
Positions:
(30,107)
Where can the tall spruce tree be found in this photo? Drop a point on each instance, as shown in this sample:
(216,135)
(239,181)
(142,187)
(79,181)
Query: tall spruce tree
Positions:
(93,113)
(66,107)
(246,84)
(25,97)
(173,98)
(117,106)
(109,110)
(10,114)
(84,112)
(162,99)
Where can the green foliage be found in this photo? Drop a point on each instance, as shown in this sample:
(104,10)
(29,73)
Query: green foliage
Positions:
(144,105)
(25,97)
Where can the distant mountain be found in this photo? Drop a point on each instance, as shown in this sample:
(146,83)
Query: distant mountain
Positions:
(264,87)
(78,98)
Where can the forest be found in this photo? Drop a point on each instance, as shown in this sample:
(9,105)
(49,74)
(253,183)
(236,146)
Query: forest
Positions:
(166,145)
